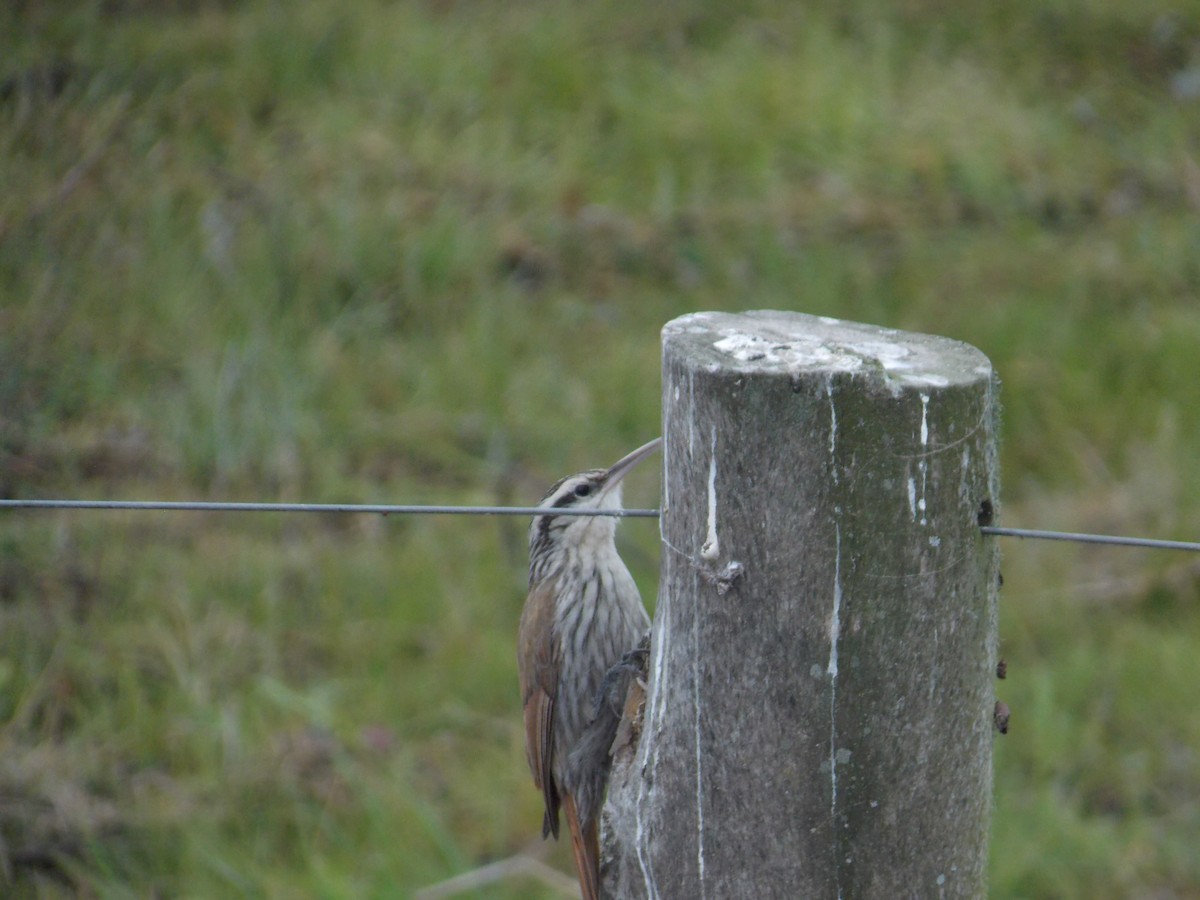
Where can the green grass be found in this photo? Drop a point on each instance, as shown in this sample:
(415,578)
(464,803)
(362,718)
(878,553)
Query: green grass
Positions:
(421,252)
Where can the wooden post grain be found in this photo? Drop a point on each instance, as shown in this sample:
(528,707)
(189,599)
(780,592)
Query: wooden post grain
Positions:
(818,721)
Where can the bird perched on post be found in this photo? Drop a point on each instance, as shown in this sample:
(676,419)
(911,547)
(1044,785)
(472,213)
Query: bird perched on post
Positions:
(582,615)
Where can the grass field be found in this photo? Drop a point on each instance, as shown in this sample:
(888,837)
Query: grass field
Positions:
(421,252)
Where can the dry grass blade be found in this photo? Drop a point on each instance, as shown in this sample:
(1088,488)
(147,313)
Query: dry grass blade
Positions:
(519,866)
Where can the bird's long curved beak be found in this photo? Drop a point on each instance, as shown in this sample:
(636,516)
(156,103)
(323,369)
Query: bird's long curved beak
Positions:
(624,466)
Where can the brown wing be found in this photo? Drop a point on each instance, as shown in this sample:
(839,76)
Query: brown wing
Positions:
(538,664)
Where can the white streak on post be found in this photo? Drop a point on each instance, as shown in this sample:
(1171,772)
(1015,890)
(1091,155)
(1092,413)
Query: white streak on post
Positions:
(712,548)
(710,551)
(835,623)
(835,629)
(654,717)
(691,414)
(832,430)
(666,499)
(923,465)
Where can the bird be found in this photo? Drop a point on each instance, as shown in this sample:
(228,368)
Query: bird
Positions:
(582,615)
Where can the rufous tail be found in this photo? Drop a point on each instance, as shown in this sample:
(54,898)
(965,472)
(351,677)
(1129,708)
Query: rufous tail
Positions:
(585,844)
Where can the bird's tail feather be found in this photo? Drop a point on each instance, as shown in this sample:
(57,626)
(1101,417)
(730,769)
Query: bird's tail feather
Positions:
(585,844)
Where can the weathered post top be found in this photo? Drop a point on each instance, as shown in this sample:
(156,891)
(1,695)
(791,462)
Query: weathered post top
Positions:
(818,720)
(787,343)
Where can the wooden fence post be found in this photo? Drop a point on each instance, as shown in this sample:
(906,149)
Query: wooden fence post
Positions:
(820,700)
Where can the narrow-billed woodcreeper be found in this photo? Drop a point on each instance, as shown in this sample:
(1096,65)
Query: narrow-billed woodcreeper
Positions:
(582,615)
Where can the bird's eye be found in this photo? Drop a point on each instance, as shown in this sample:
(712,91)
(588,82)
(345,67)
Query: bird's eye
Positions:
(582,490)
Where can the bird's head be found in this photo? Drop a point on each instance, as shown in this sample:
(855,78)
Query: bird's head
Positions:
(595,489)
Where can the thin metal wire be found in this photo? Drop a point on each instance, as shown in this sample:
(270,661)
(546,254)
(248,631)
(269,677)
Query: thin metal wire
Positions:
(377,508)
(385,509)
(1040,535)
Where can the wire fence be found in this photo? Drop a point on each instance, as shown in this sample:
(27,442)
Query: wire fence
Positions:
(1039,534)
(385,509)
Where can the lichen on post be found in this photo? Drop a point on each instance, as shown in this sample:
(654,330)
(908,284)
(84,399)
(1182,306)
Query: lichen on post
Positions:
(818,719)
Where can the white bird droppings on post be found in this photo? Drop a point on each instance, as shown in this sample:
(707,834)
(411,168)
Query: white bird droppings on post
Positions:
(835,622)
(923,464)
(712,548)
(797,352)
(666,500)
(832,430)
(654,717)
(835,627)
(933,381)
(837,346)
(699,763)
(905,364)
(691,414)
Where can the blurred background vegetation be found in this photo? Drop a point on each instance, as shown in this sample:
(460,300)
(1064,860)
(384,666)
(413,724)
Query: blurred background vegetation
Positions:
(421,252)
